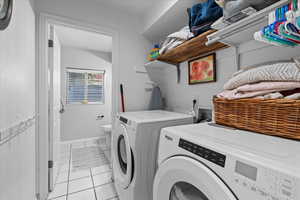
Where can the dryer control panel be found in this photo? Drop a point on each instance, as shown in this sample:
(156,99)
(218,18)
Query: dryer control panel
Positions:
(203,152)
(265,183)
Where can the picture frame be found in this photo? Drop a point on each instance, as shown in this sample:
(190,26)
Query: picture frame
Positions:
(202,69)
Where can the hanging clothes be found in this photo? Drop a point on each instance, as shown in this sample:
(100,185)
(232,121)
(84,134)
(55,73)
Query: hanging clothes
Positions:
(283,28)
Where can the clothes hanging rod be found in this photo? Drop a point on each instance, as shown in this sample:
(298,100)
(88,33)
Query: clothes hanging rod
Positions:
(244,24)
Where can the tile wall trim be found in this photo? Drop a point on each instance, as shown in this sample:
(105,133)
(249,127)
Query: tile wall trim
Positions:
(9,133)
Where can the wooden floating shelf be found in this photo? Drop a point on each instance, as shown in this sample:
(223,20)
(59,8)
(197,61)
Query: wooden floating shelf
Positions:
(191,49)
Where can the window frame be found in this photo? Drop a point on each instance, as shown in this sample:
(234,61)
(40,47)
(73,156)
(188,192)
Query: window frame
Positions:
(86,72)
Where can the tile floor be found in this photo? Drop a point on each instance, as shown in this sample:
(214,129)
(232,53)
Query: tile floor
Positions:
(84,172)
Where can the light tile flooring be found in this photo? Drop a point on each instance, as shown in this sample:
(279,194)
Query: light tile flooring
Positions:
(82,176)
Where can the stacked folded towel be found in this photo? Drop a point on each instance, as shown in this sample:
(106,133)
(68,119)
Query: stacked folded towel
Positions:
(203,15)
(175,39)
(271,81)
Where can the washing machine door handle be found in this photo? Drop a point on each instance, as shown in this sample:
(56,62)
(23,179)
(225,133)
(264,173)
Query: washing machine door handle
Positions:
(126,178)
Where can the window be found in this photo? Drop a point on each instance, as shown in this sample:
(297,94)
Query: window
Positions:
(85,86)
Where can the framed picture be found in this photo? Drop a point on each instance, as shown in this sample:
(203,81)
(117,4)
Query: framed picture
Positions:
(202,69)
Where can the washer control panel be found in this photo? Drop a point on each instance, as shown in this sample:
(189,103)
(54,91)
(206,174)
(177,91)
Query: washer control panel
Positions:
(267,184)
(130,125)
(203,152)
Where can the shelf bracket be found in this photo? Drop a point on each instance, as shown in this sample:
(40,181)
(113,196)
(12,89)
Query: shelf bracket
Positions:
(177,65)
(236,54)
(178,73)
(237,57)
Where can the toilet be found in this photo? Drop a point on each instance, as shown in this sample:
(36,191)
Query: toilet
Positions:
(107,133)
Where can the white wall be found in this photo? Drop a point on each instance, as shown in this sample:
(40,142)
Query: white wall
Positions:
(180,96)
(79,121)
(156,12)
(166,17)
(17,103)
(133,47)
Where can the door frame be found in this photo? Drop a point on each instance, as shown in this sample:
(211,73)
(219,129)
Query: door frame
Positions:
(44,20)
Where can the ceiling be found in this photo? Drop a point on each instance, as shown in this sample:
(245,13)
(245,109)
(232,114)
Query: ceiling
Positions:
(75,38)
(132,6)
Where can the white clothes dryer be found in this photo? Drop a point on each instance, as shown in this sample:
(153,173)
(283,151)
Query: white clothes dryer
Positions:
(135,139)
(210,162)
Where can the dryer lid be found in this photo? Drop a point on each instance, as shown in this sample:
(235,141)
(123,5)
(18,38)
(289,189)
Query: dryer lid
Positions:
(154,116)
(233,141)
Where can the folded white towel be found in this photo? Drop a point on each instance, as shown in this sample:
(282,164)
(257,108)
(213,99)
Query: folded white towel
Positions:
(169,44)
(183,34)
(259,89)
(279,86)
(297,60)
(275,95)
(274,72)
(175,39)
(293,96)
(234,94)
(247,68)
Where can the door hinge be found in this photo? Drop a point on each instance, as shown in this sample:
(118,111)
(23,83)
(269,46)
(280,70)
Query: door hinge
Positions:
(50,164)
(50,43)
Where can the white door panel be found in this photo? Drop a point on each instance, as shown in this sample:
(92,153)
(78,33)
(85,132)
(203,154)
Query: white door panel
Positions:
(54,106)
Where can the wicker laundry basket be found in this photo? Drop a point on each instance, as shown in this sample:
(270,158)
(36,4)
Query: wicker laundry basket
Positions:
(278,117)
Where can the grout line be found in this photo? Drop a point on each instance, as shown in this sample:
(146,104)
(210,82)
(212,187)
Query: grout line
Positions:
(57,197)
(69,172)
(71,180)
(112,197)
(91,174)
(89,188)
(105,172)
(76,179)
(104,184)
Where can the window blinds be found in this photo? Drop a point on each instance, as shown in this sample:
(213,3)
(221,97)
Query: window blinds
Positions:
(85,86)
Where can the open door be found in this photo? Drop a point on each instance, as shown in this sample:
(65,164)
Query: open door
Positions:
(54,105)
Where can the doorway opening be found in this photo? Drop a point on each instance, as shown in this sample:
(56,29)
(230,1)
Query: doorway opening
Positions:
(76,83)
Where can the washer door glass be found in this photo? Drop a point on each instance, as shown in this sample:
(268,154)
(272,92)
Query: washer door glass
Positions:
(186,191)
(184,178)
(3,8)
(122,154)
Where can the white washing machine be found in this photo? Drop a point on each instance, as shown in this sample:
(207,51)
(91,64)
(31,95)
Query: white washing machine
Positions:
(135,140)
(205,162)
